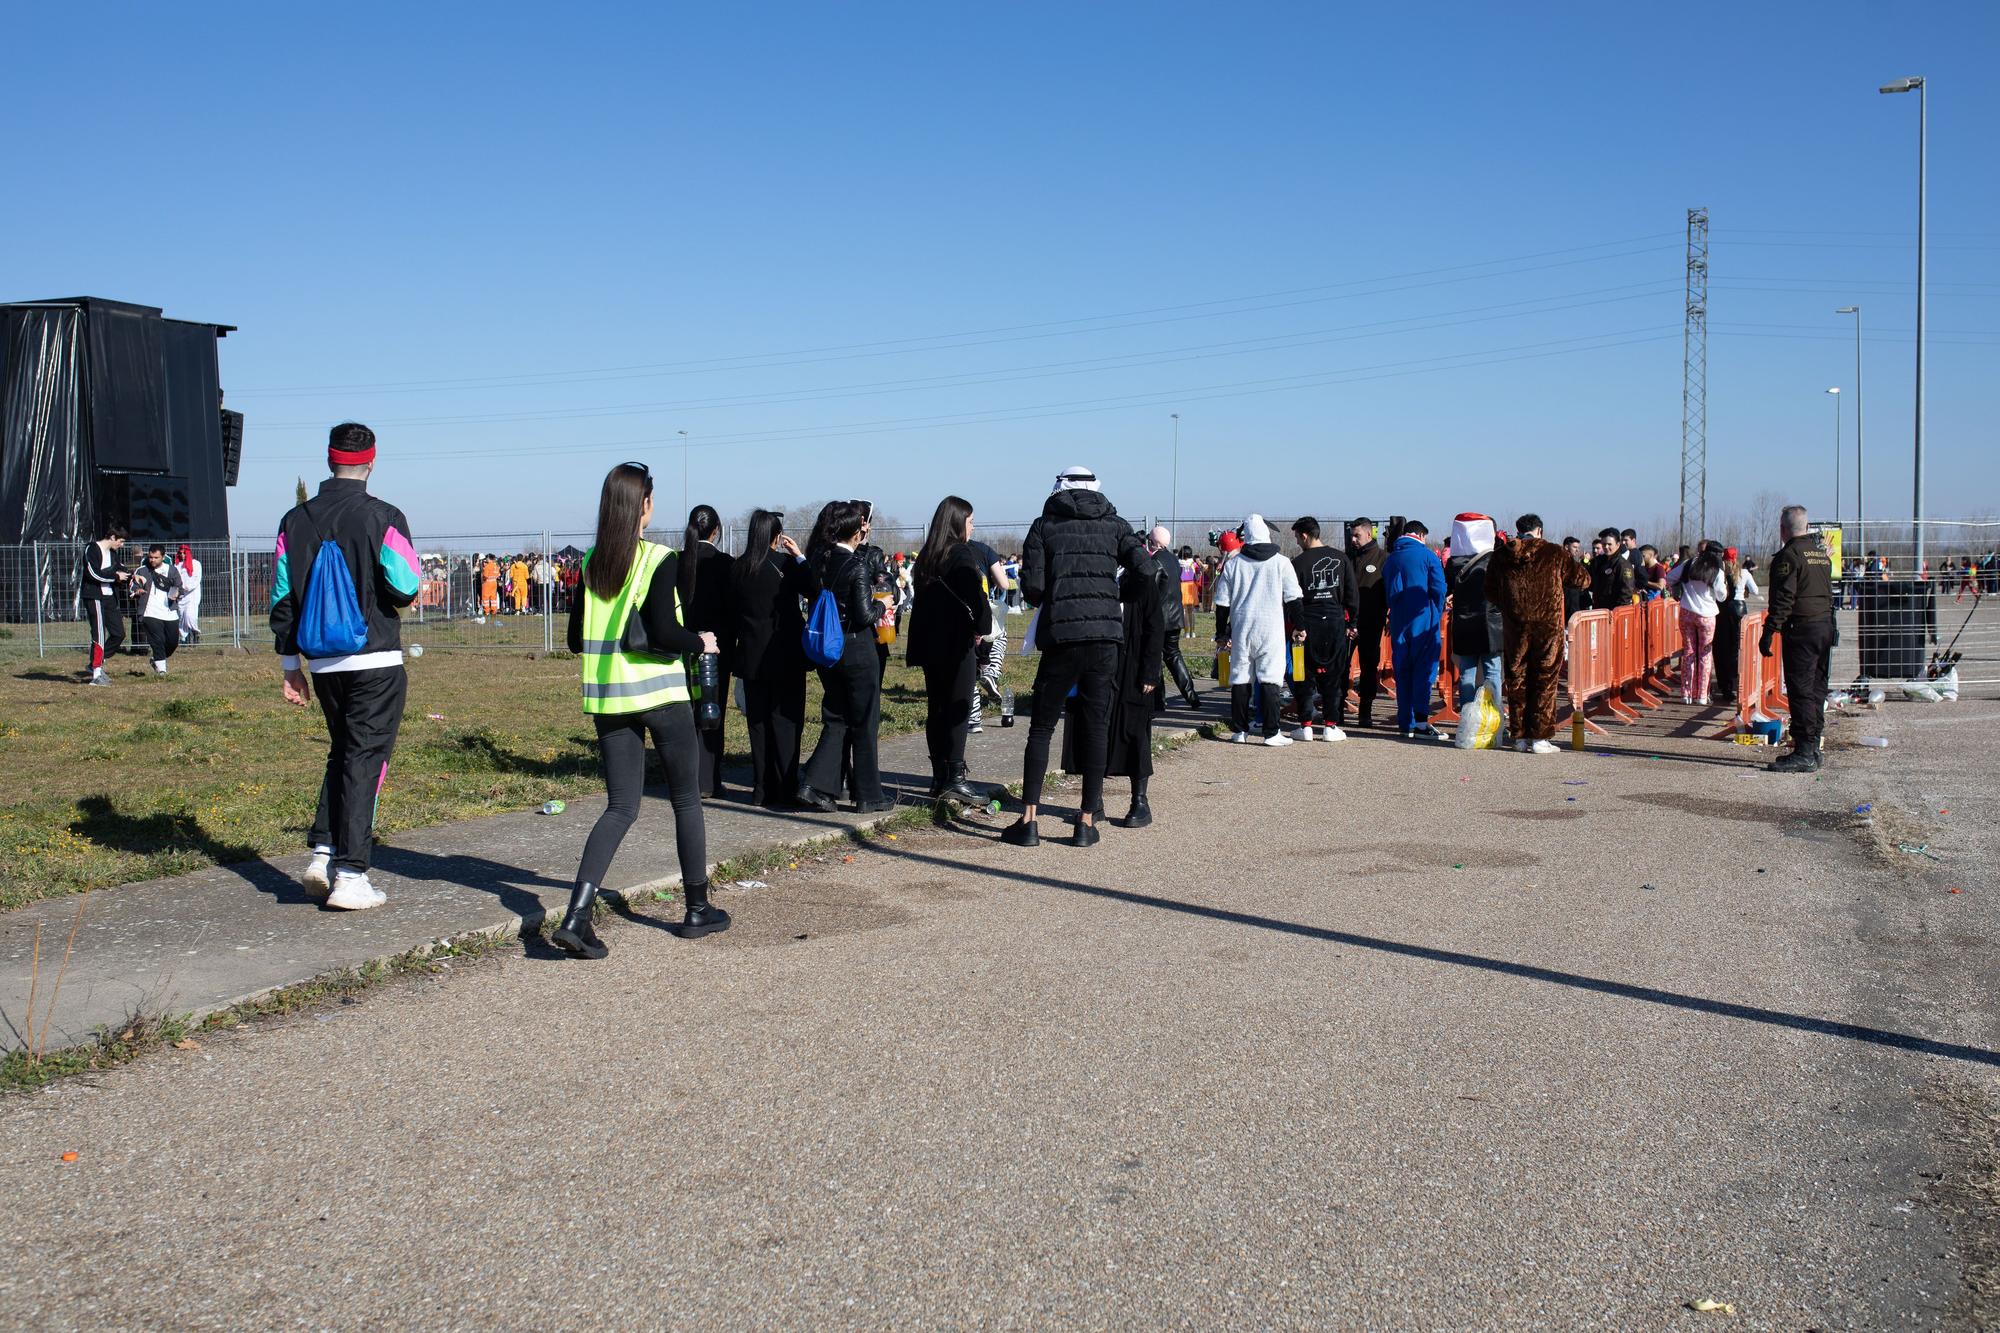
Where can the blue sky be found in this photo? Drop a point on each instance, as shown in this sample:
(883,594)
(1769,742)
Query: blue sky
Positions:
(1379,258)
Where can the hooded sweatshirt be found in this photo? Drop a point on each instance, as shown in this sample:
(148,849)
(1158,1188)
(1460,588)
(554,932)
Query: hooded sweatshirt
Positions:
(1070,563)
(1252,597)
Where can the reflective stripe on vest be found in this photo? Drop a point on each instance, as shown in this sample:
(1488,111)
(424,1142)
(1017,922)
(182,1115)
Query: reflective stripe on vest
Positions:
(615,681)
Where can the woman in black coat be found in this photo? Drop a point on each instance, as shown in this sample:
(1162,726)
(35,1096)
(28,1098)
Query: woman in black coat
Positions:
(1134,687)
(851,689)
(771,580)
(950,618)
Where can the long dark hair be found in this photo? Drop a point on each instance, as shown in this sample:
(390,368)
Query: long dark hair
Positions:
(1705,565)
(839,521)
(627,487)
(703,523)
(765,527)
(946,535)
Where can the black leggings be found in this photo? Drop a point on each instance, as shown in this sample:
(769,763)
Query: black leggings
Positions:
(621,744)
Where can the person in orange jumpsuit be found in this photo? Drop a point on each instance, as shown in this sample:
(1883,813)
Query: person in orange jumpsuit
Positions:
(489,586)
(517,579)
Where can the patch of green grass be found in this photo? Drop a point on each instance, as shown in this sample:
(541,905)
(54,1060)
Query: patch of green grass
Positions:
(194,708)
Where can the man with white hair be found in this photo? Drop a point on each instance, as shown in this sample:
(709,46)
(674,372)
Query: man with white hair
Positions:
(1253,596)
(1160,542)
(1069,573)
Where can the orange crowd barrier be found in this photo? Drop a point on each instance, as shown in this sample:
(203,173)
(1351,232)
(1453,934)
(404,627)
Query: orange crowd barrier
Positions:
(1590,663)
(1760,680)
(1447,710)
(1663,642)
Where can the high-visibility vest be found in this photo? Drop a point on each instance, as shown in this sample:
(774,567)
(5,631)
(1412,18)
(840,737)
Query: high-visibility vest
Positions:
(615,681)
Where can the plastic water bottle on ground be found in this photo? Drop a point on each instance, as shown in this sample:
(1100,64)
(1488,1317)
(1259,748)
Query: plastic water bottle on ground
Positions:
(416,650)
(1006,705)
(553,807)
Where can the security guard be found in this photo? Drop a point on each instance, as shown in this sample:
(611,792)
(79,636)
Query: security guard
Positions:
(1802,611)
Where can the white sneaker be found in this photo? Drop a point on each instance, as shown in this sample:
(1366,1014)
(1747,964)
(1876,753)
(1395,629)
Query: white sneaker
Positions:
(1541,747)
(353,893)
(318,876)
(98,678)
(159,668)
(1332,734)
(1302,733)
(1280,739)
(1239,738)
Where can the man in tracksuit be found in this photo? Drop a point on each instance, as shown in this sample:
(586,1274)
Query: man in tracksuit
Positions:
(101,581)
(1365,558)
(1414,581)
(362,693)
(1326,628)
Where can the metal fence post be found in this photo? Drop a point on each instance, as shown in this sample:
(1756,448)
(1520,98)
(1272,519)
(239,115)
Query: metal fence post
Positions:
(35,555)
(238,591)
(547,593)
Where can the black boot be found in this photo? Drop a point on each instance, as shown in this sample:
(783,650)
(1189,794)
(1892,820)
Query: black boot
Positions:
(576,935)
(1141,813)
(1804,758)
(960,789)
(811,798)
(703,917)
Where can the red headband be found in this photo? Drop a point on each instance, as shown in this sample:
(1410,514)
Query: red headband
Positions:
(350,457)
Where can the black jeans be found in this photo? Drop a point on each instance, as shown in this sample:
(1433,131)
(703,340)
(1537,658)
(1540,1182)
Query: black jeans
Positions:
(1805,648)
(774,711)
(950,693)
(711,744)
(850,713)
(1089,667)
(363,711)
(1728,639)
(621,748)
(1326,676)
(1268,704)
(1368,648)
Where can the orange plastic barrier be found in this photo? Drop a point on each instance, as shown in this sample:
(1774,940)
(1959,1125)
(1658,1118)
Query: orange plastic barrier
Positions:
(1663,641)
(1590,663)
(1760,680)
(1446,710)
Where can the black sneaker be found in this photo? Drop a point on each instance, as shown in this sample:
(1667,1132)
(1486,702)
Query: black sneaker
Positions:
(1021,833)
(1086,835)
(1800,760)
(874,807)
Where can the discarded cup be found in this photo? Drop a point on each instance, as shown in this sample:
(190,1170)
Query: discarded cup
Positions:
(993,806)
(416,650)
(553,807)
(1875,742)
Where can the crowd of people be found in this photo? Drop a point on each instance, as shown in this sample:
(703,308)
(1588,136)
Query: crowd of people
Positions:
(662,632)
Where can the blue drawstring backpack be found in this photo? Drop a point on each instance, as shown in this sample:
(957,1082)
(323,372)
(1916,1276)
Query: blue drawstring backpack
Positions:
(330,619)
(823,639)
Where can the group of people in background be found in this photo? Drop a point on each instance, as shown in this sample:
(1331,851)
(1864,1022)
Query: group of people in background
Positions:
(162,596)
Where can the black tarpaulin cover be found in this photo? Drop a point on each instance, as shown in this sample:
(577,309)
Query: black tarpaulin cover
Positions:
(44,479)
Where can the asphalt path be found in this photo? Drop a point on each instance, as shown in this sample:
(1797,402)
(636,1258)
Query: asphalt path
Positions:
(1367,1035)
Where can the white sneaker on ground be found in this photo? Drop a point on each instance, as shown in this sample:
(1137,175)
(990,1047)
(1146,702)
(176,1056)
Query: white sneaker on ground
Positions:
(318,875)
(159,668)
(1239,738)
(1541,747)
(1331,734)
(353,893)
(98,678)
(1301,733)
(1280,739)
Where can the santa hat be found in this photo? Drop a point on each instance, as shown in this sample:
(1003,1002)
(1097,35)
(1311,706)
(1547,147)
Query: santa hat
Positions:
(1472,532)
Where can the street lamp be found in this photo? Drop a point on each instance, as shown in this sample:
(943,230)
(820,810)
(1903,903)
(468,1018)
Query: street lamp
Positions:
(1917,85)
(1174,504)
(684,470)
(1834,393)
(1860,505)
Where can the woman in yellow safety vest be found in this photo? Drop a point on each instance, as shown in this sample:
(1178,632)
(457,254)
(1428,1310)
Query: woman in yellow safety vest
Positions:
(625,625)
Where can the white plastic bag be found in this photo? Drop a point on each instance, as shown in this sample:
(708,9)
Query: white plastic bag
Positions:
(1479,722)
(1947,686)
(1028,639)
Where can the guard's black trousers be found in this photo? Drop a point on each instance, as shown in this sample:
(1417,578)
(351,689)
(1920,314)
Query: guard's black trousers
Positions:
(363,711)
(1368,649)
(1806,648)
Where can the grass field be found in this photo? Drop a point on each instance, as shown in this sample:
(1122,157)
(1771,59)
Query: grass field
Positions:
(209,765)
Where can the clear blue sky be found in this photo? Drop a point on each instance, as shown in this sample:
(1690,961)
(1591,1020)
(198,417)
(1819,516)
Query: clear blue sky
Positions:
(618,222)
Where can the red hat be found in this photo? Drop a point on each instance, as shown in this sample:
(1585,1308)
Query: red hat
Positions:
(1730,552)
(1230,541)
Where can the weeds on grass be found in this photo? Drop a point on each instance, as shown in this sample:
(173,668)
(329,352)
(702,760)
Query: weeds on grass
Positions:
(35,1039)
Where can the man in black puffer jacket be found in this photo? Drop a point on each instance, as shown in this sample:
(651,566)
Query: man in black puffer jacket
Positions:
(1069,573)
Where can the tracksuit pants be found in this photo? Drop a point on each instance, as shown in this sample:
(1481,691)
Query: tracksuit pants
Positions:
(162,637)
(363,711)
(1416,663)
(107,629)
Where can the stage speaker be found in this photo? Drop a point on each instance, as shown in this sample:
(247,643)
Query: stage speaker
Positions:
(232,445)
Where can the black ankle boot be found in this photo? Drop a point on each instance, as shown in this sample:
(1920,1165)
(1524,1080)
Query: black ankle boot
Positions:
(703,917)
(1140,815)
(576,935)
(961,790)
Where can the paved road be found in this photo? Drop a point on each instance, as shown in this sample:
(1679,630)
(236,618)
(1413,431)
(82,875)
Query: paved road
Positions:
(1362,1035)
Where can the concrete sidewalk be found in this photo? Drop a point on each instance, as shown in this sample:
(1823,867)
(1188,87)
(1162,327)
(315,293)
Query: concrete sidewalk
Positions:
(196,943)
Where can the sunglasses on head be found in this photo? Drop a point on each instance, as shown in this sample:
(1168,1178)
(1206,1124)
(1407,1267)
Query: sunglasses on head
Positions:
(644,472)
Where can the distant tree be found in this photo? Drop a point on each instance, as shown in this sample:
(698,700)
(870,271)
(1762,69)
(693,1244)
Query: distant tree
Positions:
(302,490)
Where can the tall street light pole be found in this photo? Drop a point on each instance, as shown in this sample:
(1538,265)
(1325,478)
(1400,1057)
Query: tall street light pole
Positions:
(1834,393)
(1860,504)
(1917,85)
(1174,503)
(684,472)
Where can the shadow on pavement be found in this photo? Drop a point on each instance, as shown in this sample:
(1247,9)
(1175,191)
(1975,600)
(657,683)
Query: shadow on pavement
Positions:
(1825,1027)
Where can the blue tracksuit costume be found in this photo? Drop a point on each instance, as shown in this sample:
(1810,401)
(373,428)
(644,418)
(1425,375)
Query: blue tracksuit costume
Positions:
(1414,581)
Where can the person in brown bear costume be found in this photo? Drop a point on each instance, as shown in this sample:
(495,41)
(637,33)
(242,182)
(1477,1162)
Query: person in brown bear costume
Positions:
(1525,580)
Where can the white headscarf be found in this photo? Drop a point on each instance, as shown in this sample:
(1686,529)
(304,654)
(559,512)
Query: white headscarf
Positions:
(1256,531)
(1078,478)
(1471,533)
